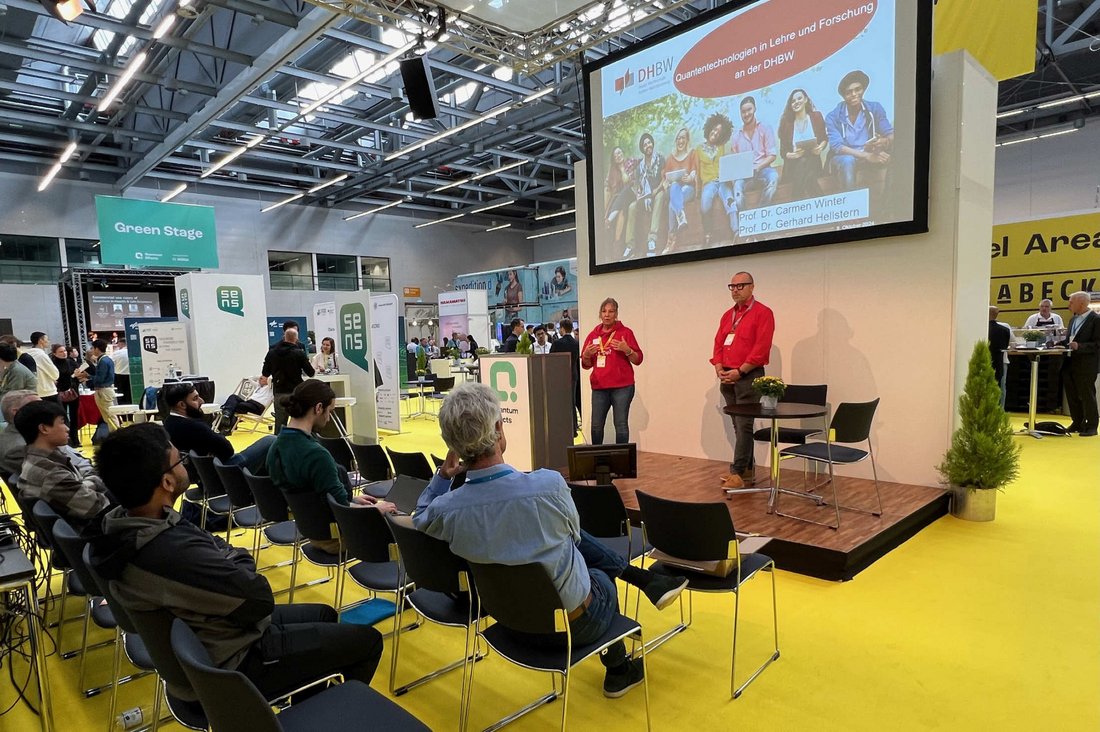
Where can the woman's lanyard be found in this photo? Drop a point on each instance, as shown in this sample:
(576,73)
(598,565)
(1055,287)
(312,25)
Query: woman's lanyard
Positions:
(603,343)
(487,478)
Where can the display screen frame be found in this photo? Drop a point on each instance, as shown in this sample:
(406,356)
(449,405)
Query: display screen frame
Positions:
(916,224)
(141,298)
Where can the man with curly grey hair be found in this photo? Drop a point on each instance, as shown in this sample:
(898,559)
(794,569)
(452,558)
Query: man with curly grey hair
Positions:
(502,516)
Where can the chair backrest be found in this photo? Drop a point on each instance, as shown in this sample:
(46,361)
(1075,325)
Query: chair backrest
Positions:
(806,394)
(413,464)
(153,626)
(438,461)
(208,477)
(232,479)
(26,506)
(269,499)
(405,492)
(45,518)
(66,541)
(852,421)
(521,597)
(338,448)
(364,533)
(372,462)
(428,561)
(311,514)
(229,699)
(444,384)
(695,531)
(600,508)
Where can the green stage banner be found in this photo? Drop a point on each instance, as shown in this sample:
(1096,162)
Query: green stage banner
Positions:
(153,234)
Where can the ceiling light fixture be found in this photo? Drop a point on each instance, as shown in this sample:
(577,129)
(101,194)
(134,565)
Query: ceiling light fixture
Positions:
(563,212)
(296,196)
(537,95)
(326,184)
(551,233)
(483,209)
(283,202)
(566,187)
(440,221)
(498,228)
(48,178)
(233,155)
(175,192)
(64,10)
(164,27)
(479,176)
(447,133)
(135,63)
(398,202)
(68,152)
(1039,136)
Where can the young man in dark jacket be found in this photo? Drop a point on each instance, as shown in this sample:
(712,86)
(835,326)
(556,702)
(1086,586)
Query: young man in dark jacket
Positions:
(189,431)
(155,560)
(284,365)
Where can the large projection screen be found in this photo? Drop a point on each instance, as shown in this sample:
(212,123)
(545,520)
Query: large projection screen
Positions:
(760,126)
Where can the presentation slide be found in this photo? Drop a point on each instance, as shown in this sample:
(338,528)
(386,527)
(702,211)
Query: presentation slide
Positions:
(108,310)
(762,126)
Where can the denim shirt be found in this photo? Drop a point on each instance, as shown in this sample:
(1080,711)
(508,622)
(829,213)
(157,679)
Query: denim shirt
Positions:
(503,516)
(104,376)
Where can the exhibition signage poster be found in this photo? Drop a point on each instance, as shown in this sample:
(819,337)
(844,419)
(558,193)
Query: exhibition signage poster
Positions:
(324,321)
(388,356)
(1044,259)
(353,340)
(163,347)
(185,303)
(154,234)
(230,299)
(275,329)
(509,376)
(509,287)
(134,355)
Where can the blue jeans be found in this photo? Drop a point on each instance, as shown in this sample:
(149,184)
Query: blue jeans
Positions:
(254,457)
(602,401)
(603,567)
(724,193)
(678,195)
(765,178)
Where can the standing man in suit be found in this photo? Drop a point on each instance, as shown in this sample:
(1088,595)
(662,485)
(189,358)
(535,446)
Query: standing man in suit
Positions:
(568,344)
(999,337)
(1080,367)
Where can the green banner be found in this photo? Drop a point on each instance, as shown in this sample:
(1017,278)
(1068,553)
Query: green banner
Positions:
(185,303)
(153,234)
(231,300)
(354,338)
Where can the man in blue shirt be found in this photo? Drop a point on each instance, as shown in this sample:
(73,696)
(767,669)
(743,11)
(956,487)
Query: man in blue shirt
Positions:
(860,135)
(503,516)
(103,382)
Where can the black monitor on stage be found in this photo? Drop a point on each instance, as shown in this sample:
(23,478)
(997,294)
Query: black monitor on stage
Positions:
(601,463)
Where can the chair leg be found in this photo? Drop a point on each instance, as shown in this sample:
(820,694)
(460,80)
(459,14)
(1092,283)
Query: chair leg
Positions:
(157,693)
(84,642)
(645,681)
(115,671)
(294,569)
(397,612)
(736,691)
(61,608)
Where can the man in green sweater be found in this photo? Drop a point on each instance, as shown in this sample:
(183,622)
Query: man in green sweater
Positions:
(297,463)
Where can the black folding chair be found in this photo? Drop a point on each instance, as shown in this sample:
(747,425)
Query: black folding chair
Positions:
(244,513)
(443,595)
(604,516)
(314,519)
(374,468)
(279,528)
(413,464)
(232,701)
(147,645)
(44,518)
(406,493)
(365,536)
(214,499)
(703,532)
(338,448)
(523,601)
(851,424)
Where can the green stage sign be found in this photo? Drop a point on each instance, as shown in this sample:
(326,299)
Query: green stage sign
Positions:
(153,234)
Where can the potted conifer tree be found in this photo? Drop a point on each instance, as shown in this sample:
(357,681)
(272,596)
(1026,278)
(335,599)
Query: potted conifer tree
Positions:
(983,457)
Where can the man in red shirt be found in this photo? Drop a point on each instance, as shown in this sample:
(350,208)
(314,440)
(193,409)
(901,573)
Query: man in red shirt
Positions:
(741,349)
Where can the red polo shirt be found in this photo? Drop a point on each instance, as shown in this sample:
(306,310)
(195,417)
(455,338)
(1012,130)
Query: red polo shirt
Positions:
(617,370)
(752,325)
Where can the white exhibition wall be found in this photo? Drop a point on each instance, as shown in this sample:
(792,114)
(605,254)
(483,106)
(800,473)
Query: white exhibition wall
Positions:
(1055,176)
(892,318)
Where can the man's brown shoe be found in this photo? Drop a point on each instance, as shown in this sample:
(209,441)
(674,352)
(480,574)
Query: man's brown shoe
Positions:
(748,476)
(733,481)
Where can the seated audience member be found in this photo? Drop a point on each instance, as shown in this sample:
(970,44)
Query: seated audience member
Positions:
(14,376)
(49,474)
(156,561)
(256,404)
(502,516)
(298,463)
(12,445)
(189,431)
(24,358)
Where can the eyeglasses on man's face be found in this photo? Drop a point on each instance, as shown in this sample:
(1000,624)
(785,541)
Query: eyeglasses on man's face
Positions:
(184,460)
(738,286)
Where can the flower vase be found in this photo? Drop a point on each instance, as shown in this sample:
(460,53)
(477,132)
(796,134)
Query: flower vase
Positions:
(767,403)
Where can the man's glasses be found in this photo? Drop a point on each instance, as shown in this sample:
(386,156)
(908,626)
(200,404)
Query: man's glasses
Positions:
(185,460)
(739,286)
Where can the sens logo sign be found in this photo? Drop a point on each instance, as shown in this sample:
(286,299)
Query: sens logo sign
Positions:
(231,300)
(354,336)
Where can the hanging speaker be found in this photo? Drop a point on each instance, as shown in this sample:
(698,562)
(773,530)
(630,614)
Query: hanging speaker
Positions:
(419,87)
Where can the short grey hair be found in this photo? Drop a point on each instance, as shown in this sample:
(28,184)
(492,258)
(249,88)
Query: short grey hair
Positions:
(13,401)
(1079,295)
(468,420)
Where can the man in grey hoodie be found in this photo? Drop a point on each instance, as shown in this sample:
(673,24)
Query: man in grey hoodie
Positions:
(155,560)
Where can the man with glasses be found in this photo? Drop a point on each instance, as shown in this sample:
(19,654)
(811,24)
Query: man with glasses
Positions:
(860,134)
(156,561)
(741,349)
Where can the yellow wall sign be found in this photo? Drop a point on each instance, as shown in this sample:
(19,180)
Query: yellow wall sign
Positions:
(1000,34)
(1048,258)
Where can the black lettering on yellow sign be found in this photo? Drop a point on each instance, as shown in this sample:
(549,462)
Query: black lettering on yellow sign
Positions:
(1080,241)
(1031,292)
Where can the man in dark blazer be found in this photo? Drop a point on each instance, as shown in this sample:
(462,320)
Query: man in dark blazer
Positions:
(999,337)
(1081,364)
(568,344)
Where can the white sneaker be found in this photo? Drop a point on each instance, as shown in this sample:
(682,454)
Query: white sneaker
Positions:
(627,252)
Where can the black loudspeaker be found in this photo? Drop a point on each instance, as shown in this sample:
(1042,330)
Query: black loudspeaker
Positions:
(419,87)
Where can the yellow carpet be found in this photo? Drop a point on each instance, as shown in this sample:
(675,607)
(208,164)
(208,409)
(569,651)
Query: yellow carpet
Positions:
(964,627)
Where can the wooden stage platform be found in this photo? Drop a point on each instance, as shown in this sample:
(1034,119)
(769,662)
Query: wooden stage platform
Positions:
(798,546)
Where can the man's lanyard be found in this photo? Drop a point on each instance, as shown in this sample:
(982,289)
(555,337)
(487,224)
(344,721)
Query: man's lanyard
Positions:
(741,317)
(487,478)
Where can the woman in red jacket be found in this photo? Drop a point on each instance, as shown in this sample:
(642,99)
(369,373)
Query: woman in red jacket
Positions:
(612,352)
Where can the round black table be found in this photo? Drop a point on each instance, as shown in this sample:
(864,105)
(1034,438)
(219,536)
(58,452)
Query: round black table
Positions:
(782,410)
